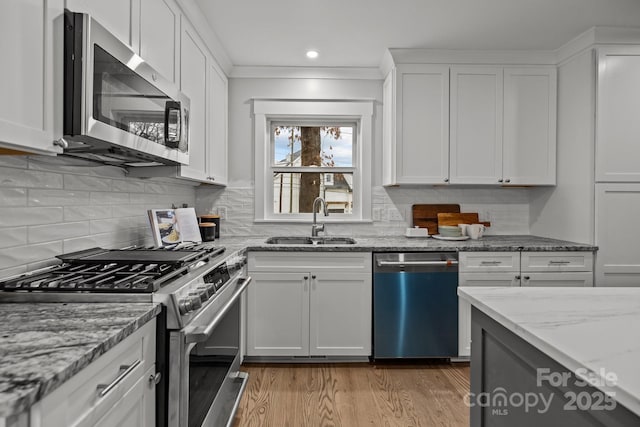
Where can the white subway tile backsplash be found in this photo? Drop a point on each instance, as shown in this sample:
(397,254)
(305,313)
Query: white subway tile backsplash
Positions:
(13,236)
(128,186)
(89,183)
(51,232)
(13,196)
(17,255)
(79,213)
(11,217)
(53,205)
(108,198)
(39,197)
(23,178)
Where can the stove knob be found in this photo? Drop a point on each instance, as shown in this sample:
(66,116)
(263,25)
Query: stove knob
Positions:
(203,293)
(195,300)
(184,305)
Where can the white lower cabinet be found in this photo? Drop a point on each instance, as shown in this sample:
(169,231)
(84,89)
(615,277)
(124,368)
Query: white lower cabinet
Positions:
(116,390)
(309,304)
(516,268)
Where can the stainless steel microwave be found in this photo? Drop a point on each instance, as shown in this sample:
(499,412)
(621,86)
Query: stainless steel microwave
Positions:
(117,109)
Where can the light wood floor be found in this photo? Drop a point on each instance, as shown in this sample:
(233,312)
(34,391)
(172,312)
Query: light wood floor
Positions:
(352,395)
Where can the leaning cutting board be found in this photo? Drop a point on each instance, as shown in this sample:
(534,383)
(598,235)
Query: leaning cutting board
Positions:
(426,216)
(455,218)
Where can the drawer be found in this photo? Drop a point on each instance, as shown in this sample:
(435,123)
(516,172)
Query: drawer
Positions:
(357,262)
(557,261)
(489,262)
(489,279)
(77,402)
(577,279)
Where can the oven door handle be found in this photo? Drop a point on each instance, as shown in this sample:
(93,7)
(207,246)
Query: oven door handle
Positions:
(196,334)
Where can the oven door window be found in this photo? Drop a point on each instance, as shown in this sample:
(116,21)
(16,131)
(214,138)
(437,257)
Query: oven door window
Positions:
(123,99)
(210,363)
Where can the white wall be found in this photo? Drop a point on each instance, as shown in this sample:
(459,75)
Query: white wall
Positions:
(567,210)
(507,209)
(55,205)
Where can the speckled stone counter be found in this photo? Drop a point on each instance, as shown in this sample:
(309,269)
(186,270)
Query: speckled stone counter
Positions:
(401,243)
(43,345)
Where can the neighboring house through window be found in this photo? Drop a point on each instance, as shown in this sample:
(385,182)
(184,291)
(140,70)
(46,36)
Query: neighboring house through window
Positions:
(309,149)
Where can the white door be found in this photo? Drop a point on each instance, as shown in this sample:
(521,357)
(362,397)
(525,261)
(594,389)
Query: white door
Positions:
(160,37)
(617,124)
(617,234)
(422,124)
(278,314)
(193,76)
(529,146)
(218,125)
(31,75)
(476,125)
(340,314)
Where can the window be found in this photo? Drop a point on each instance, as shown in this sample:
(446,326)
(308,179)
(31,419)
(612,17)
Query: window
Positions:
(309,149)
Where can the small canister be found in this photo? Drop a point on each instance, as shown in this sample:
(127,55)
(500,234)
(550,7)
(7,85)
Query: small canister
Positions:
(210,218)
(208,231)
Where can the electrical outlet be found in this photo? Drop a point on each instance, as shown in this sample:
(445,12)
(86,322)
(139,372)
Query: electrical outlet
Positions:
(222,211)
(395,215)
(377,214)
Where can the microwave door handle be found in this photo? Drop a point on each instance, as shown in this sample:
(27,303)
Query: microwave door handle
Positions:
(169,107)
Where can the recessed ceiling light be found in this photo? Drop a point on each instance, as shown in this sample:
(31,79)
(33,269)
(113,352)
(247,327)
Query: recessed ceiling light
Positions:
(312,54)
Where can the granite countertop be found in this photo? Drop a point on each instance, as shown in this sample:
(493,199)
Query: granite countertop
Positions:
(401,243)
(592,328)
(43,345)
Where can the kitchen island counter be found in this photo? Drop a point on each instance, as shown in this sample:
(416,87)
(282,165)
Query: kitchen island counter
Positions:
(592,334)
(43,345)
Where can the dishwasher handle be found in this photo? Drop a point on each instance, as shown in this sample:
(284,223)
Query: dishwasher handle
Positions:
(448,262)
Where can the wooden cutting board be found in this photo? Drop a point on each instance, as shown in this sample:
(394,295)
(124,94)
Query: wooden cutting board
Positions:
(426,216)
(445,218)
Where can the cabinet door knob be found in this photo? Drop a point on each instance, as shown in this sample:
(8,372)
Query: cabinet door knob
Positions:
(446,180)
(527,277)
(517,277)
(306,277)
(500,180)
(155,378)
(313,277)
(507,180)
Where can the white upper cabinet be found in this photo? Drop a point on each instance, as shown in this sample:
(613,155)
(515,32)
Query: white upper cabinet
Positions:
(193,83)
(416,136)
(476,125)
(160,37)
(218,125)
(471,124)
(31,52)
(529,139)
(617,107)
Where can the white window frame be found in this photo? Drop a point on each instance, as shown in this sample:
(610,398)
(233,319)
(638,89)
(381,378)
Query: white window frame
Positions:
(320,111)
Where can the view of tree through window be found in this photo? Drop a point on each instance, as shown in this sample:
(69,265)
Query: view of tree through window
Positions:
(312,161)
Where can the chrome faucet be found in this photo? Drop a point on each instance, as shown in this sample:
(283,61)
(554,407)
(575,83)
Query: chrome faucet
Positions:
(315,228)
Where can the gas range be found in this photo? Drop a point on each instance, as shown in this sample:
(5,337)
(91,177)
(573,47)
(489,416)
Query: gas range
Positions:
(183,278)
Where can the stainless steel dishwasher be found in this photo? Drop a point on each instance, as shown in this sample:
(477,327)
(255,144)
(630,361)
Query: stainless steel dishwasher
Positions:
(415,305)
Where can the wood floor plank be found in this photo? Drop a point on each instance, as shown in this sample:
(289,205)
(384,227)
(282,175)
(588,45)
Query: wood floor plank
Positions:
(355,395)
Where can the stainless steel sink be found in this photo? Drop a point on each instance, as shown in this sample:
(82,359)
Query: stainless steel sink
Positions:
(301,240)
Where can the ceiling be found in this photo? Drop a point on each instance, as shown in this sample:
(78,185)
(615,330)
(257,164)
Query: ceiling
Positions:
(356,33)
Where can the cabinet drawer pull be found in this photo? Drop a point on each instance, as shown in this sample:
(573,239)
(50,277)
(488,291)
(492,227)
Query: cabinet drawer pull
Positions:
(490,262)
(559,262)
(103,389)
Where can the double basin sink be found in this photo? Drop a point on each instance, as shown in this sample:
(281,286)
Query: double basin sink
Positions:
(302,240)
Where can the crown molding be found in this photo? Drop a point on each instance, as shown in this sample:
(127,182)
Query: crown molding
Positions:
(339,73)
